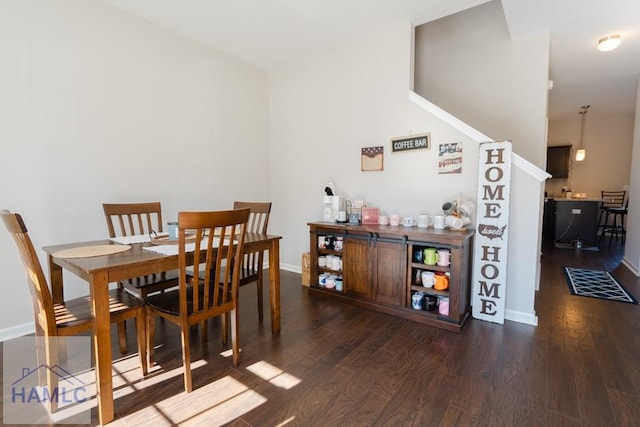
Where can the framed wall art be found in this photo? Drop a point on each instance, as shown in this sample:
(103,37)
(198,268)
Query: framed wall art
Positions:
(450,158)
(372,159)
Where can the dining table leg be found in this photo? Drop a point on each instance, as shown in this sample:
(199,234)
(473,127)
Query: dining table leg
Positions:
(55,278)
(274,285)
(101,336)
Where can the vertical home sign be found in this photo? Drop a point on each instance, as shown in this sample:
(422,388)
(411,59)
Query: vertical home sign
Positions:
(492,237)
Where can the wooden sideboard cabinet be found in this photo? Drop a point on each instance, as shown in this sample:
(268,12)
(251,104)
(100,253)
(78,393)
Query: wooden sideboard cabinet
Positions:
(377,269)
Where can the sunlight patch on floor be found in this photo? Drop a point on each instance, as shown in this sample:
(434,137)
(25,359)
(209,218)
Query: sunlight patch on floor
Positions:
(227,399)
(275,376)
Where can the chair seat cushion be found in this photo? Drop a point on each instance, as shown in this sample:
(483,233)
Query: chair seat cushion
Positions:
(169,302)
(248,274)
(77,311)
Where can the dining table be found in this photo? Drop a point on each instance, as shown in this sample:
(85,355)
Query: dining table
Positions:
(100,271)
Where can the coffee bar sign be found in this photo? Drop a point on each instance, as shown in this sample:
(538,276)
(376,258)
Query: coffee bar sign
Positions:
(492,234)
(412,142)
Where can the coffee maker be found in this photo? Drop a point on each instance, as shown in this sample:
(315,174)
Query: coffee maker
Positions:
(332,205)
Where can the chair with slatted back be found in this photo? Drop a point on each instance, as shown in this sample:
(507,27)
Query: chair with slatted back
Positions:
(611,207)
(212,291)
(252,264)
(71,317)
(130,219)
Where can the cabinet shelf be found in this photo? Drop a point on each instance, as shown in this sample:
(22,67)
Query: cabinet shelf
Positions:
(328,270)
(430,291)
(430,267)
(329,252)
(325,289)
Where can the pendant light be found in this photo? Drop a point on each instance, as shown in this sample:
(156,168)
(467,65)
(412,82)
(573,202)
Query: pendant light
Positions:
(581,153)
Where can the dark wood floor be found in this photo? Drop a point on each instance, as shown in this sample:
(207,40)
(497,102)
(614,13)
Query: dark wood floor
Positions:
(340,365)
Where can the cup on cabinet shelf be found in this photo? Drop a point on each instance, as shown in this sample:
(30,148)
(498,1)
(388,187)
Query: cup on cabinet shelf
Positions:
(441,282)
(330,282)
(430,302)
(322,279)
(443,306)
(428,279)
(322,243)
(322,261)
(416,301)
(444,257)
(430,256)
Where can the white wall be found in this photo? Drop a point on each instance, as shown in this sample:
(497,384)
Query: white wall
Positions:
(467,64)
(608,140)
(325,109)
(632,245)
(99,106)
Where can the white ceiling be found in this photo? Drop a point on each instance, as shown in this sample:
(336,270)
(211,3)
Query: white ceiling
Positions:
(272,33)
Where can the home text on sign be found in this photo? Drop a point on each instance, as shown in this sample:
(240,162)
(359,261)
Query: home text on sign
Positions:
(490,258)
(413,142)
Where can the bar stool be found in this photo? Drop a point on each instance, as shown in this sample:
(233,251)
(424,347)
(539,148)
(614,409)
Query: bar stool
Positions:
(613,211)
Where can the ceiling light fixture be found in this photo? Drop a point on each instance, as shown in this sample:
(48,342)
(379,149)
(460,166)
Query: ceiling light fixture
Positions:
(581,153)
(609,42)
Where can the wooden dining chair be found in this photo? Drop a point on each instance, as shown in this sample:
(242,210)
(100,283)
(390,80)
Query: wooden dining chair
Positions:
(131,219)
(252,263)
(71,317)
(221,234)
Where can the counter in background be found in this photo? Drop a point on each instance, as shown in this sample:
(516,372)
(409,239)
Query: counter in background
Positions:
(573,219)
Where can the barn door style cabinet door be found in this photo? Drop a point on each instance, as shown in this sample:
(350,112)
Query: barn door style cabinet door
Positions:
(381,268)
(373,267)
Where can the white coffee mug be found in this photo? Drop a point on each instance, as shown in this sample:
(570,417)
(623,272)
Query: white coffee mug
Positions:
(427,279)
(439,222)
(394,219)
(425,221)
(342,216)
(454,222)
(322,261)
(383,220)
(408,221)
(467,209)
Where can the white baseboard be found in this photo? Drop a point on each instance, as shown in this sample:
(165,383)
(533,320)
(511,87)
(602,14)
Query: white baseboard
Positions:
(12,332)
(521,317)
(290,267)
(633,268)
